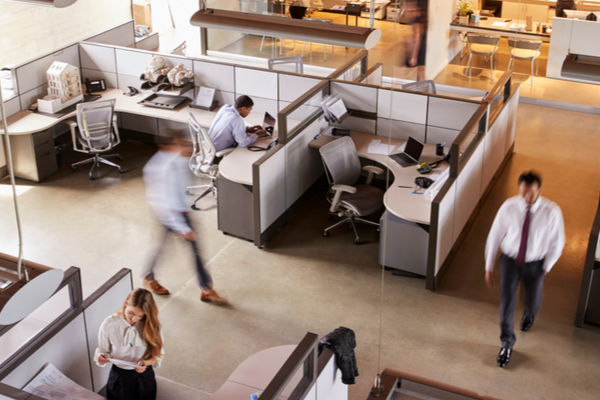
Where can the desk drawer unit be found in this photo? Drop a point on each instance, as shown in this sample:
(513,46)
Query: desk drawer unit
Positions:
(34,156)
(405,245)
(236,208)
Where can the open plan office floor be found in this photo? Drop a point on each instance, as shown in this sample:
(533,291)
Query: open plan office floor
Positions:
(304,282)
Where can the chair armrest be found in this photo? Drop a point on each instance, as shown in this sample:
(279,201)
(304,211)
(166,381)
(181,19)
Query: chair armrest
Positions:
(338,192)
(225,152)
(371,169)
(72,127)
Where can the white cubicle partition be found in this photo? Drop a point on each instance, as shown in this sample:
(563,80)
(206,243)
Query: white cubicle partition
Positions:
(268,180)
(217,76)
(103,303)
(121,35)
(260,85)
(444,224)
(99,62)
(468,190)
(31,81)
(303,166)
(67,351)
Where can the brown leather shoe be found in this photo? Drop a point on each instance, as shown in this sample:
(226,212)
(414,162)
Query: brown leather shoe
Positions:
(154,286)
(212,297)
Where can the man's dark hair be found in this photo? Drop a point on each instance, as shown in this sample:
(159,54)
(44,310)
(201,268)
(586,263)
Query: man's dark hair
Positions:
(530,178)
(244,101)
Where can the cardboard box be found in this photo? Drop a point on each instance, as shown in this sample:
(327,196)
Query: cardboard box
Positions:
(142,13)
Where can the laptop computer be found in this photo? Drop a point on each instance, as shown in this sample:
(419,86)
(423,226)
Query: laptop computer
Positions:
(412,153)
(268,124)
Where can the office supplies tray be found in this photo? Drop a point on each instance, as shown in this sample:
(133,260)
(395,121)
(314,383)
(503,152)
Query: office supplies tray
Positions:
(163,101)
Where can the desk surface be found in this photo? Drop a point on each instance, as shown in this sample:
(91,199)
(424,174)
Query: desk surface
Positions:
(399,201)
(485,27)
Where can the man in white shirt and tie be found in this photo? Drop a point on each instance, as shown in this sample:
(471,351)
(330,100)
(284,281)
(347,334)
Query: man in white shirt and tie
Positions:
(229,129)
(529,230)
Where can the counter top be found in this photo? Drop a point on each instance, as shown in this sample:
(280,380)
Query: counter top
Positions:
(237,166)
(399,201)
(486,26)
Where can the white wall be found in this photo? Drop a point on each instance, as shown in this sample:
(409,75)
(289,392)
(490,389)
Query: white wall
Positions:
(27,31)
(442,44)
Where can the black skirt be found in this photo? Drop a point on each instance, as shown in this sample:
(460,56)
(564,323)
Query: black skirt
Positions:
(127,384)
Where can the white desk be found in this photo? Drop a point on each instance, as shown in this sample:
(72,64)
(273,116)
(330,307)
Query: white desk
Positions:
(399,201)
(486,27)
(236,167)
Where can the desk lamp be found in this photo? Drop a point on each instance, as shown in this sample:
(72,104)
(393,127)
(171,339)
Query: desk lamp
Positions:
(17,304)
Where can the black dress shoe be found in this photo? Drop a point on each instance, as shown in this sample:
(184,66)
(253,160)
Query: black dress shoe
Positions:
(526,323)
(504,357)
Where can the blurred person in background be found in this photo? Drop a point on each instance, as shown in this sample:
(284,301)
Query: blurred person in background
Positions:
(166,176)
(413,15)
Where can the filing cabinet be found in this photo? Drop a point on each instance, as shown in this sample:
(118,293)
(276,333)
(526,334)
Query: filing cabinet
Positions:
(34,157)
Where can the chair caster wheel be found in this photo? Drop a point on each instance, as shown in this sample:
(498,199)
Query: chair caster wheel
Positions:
(73,168)
(120,171)
(92,177)
(356,241)
(119,158)
(329,217)
(193,207)
(187,192)
(325,233)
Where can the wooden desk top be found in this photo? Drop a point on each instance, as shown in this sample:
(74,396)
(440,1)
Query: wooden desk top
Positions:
(399,201)
(237,166)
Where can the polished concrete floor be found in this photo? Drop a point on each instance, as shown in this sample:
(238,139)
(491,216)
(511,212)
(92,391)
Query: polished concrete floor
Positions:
(303,282)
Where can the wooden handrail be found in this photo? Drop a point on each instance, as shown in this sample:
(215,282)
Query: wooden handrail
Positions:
(390,377)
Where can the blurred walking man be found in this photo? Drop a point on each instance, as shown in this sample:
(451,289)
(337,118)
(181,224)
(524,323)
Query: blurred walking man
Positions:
(529,230)
(166,177)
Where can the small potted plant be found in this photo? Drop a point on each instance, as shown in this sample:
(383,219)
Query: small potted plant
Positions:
(464,10)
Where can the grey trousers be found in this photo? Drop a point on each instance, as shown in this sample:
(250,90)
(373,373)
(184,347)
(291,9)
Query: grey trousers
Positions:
(532,274)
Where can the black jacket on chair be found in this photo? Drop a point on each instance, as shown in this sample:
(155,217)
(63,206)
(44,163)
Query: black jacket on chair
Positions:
(342,341)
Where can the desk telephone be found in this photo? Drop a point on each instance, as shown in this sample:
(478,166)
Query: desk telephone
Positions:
(97,85)
(269,147)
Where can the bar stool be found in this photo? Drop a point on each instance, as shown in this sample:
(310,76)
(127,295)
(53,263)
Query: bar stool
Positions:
(526,50)
(482,45)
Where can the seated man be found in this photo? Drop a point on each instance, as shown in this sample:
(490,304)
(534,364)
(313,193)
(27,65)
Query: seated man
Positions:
(229,129)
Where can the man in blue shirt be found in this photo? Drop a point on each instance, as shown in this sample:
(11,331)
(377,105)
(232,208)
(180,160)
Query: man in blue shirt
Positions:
(229,129)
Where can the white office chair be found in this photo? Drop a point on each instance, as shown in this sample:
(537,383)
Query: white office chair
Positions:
(526,50)
(296,62)
(482,45)
(274,39)
(95,135)
(348,199)
(202,162)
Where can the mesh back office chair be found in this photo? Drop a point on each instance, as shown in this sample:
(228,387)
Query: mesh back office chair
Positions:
(202,162)
(295,61)
(427,86)
(527,50)
(482,45)
(348,199)
(97,133)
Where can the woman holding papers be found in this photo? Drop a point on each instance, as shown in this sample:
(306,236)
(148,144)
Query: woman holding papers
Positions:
(131,340)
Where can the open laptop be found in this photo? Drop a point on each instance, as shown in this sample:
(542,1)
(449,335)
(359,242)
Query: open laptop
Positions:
(412,153)
(268,124)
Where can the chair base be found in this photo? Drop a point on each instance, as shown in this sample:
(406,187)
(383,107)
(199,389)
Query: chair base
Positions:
(352,221)
(211,188)
(96,161)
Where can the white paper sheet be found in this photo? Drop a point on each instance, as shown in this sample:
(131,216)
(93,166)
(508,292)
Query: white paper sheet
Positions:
(51,384)
(376,147)
(205,97)
(499,24)
(122,363)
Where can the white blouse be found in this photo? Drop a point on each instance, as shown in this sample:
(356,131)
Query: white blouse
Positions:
(118,339)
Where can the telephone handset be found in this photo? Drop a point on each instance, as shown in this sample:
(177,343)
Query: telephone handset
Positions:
(269,147)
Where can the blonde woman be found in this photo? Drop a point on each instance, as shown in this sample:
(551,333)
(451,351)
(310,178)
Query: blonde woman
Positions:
(131,340)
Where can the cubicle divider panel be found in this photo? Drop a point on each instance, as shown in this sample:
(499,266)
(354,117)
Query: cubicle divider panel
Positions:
(446,117)
(468,190)
(31,79)
(66,350)
(303,166)
(98,62)
(217,76)
(121,35)
(104,302)
(374,75)
(12,106)
(260,85)
(131,63)
(268,177)
(591,257)
(443,231)
(150,42)
(401,114)
(292,86)
(359,97)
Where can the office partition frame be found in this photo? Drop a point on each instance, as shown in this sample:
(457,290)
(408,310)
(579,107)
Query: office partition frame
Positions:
(477,127)
(586,279)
